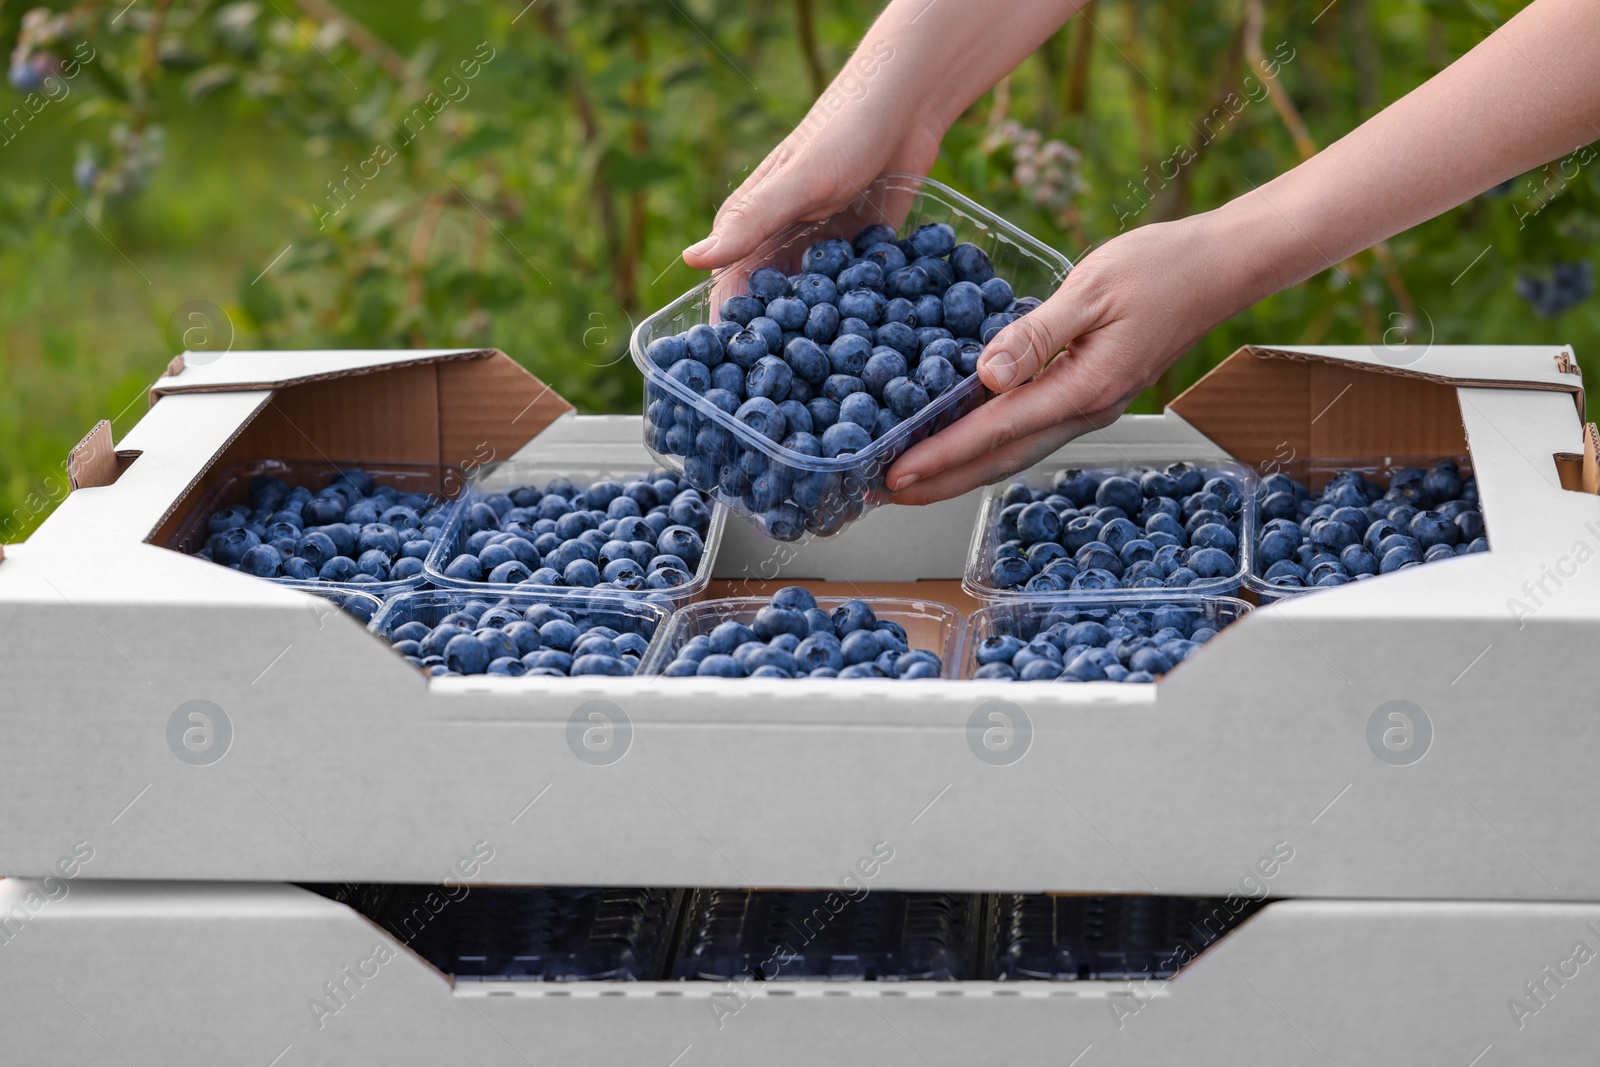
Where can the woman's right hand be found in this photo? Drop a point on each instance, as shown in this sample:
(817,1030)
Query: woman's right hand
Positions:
(828,161)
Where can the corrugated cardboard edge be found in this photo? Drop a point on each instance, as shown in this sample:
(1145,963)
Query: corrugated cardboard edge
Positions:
(93,460)
(1268,351)
(168,383)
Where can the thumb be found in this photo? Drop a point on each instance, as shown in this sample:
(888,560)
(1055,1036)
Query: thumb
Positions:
(1022,349)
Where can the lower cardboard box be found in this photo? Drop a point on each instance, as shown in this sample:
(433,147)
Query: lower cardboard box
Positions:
(95,972)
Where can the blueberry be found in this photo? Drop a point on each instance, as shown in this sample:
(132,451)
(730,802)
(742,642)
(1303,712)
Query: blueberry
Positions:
(683,542)
(744,349)
(897,336)
(934,239)
(824,413)
(928,312)
(812,290)
(849,354)
(862,275)
(826,257)
(769,331)
(763,416)
(665,351)
(857,328)
(901,312)
(908,282)
(822,325)
(789,313)
(465,654)
(691,373)
(889,256)
(869,236)
(993,324)
(768,285)
(935,374)
(865,304)
(997,295)
(844,438)
(905,397)
(263,561)
(971,263)
(884,365)
(860,409)
(704,345)
(741,309)
(839,386)
(1010,572)
(770,377)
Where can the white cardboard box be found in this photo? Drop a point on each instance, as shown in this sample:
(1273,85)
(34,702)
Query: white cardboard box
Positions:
(346,764)
(204,974)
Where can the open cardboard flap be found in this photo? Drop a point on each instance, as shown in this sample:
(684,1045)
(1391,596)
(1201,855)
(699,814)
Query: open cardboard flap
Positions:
(446,409)
(1269,406)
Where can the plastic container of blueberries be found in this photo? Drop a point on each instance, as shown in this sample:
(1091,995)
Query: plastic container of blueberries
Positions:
(840,490)
(230,486)
(625,614)
(981,551)
(586,465)
(929,625)
(1026,619)
(886,936)
(1314,474)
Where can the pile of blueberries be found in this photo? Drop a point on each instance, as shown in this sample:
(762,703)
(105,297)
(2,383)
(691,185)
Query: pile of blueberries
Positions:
(352,530)
(1099,530)
(791,637)
(647,533)
(1356,528)
(538,639)
(824,363)
(1093,645)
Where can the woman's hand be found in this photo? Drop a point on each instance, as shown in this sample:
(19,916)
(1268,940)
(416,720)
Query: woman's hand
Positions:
(1124,315)
(918,68)
(822,166)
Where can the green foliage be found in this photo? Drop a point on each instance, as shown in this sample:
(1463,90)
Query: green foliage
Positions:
(375,174)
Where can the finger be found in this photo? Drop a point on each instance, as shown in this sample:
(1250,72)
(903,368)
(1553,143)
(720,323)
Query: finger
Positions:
(1060,394)
(1027,346)
(1002,463)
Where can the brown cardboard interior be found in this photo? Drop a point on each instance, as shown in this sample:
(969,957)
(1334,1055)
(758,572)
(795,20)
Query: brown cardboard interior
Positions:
(94,461)
(1269,408)
(445,414)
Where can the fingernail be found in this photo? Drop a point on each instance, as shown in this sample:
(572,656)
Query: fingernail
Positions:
(905,480)
(1002,368)
(700,248)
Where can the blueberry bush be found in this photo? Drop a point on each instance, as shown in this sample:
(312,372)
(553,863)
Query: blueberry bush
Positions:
(204,173)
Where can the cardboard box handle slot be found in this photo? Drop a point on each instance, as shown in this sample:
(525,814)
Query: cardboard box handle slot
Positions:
(1580,472)
(94,461)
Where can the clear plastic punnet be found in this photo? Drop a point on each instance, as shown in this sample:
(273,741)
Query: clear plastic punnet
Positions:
(1455,491)
(929,626)
(1092,641)
(232,486)
(1090,573)
(583,466)
(413,616)
(789,495)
